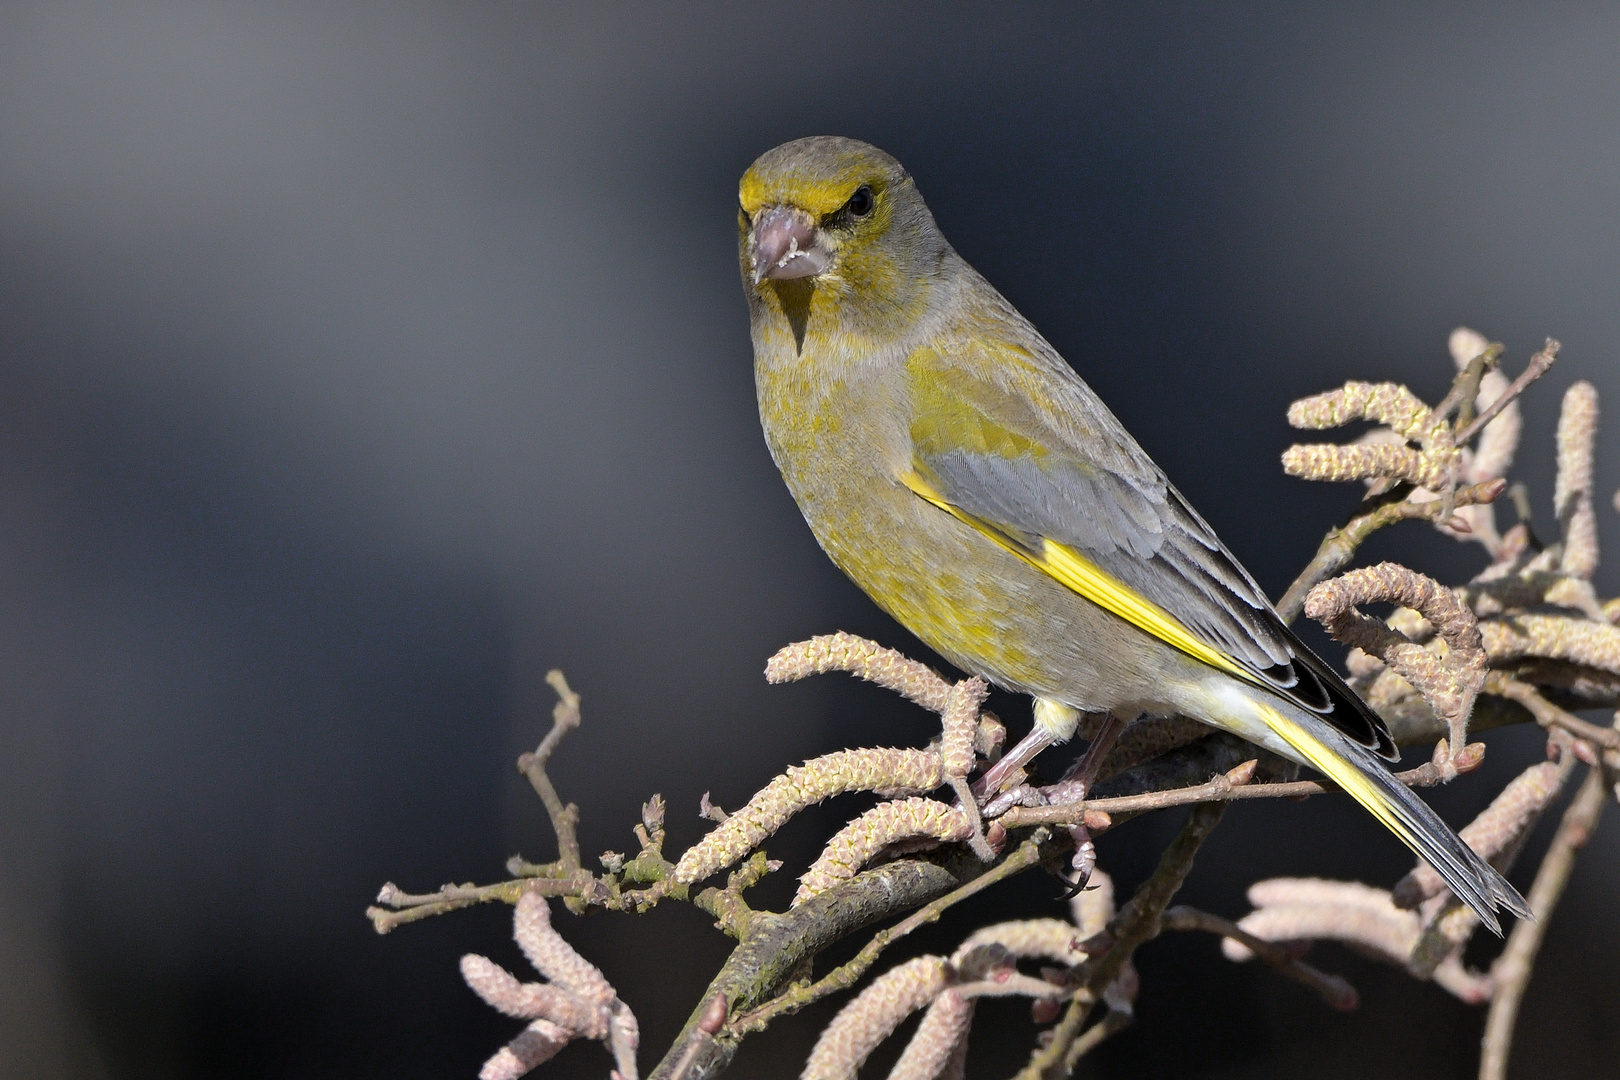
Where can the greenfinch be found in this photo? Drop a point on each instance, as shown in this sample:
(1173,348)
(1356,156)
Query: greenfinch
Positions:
(958,470)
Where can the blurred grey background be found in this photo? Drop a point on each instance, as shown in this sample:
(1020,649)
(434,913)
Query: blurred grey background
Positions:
(358,363)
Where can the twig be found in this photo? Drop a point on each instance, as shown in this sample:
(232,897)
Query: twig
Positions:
(1465,387)
(1112,1023)
(1511,972)
(1375,512)
(1138,921)
(1549,715)
(1222,789)
(1443,937)
(1336,991)
(564,818)
(1539,363)
(563,878)
(413,906)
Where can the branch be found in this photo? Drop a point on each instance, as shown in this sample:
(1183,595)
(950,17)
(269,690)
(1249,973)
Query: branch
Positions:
(1139,921)
(1539,363)
(1471,372)
(1549,715)
(1334,990)
(414,906)
(564,878)
(1230,787)
(1511,972)
(1027,855)
(564,818)
(1375,512)
(775,946)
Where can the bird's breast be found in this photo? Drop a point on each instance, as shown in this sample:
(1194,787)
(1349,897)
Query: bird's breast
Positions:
(842,442)
(840,432)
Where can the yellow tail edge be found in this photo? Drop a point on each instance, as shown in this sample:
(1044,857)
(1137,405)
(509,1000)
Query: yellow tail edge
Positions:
(1470,877)
(1343,772)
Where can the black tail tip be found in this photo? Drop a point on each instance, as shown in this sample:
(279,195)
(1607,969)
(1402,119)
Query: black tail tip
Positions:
(1497,893)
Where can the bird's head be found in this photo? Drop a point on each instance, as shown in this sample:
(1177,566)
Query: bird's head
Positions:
(841,214)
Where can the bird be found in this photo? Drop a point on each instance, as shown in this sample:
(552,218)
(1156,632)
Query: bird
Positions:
(955,467)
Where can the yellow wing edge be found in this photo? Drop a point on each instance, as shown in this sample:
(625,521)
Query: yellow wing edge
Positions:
(1075,571)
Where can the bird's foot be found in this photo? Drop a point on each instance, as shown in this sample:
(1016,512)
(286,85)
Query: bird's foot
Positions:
(1066,791)
(1082,863)
(1017,795)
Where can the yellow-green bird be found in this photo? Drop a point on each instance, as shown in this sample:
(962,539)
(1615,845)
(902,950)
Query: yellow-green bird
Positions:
(952,464)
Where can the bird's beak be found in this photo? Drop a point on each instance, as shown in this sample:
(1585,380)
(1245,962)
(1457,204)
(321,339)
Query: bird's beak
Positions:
(787,244)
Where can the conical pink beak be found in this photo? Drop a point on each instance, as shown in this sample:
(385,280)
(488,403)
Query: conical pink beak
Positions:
(786,245)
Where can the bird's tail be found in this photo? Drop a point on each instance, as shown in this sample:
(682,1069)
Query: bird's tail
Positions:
(1366,779)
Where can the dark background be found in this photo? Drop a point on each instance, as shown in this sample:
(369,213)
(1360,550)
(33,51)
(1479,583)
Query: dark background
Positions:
(360,363)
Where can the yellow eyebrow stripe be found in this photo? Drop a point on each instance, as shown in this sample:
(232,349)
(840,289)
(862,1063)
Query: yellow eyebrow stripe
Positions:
(1074,570)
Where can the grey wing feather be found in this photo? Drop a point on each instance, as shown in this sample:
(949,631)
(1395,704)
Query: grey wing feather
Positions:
(1136,535)
(1102,495)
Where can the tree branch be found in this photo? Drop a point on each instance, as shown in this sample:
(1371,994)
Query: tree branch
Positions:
(1376,511)
(414,906)
(1334,990)
(1539,363)
(1222,789)
(1027,855)
(564,818)
(1140,920)
(1549,715)
(774,946)
(1511,972)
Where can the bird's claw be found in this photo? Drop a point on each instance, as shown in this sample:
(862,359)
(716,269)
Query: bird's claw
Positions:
(1081,864)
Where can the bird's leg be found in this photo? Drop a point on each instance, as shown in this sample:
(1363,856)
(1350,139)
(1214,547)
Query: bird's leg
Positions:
(1074,787)
(1076,783)
(1012,762)
(1055,722)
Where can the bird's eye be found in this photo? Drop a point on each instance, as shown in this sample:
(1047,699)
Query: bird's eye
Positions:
(860,203)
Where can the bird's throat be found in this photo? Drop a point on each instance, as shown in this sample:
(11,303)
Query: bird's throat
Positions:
(794,296)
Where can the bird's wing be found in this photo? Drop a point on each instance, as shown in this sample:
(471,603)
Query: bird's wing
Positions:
(1011,441)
